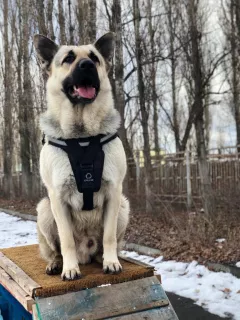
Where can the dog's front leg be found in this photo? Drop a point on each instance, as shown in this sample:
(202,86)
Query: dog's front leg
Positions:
(110,259)
(62,217)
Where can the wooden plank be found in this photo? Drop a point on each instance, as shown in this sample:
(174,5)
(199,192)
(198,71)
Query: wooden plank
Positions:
(164,313)
(24,281)
(9,284)
(105,302)
(35,312)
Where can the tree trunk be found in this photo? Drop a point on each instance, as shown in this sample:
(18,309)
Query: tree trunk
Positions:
(71,29)
(61,22)
(118,85)
(24,91)
(235,68)
(7,111)
(143,110)
(41,17)
(86,16)
(207,193)
(92,20)
(153,68)
(50,20)
(173,78)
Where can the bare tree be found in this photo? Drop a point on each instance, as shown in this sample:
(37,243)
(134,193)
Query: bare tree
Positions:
(7,111)
(61,22)
(86,17)
(40,15)
(50,19)
(143,109)
(231,29)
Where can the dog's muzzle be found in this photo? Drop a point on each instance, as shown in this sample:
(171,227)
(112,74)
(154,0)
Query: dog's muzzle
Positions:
(83,85)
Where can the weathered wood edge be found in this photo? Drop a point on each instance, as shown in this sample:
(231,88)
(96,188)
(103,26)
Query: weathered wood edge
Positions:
(18,275)
(140,263)
(158,276)
(35,312)
(10,285)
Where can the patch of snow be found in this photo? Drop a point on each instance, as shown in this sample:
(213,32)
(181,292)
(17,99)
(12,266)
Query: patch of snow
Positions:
(221,240)
(217,292)
(238,264)
(104,285)
(16,232)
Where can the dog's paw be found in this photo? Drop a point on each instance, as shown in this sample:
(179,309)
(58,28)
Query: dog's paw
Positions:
(71,274)
(112,267)
(54,267)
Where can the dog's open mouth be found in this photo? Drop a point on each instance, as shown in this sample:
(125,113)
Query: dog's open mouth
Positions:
(83,85)
(88,92)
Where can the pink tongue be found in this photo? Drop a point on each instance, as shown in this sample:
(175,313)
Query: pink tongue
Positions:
(84,92)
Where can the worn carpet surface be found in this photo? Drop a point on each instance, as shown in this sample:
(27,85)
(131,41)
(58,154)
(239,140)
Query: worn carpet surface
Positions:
(28,259)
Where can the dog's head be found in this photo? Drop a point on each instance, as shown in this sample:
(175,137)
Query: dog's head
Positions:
(76,73)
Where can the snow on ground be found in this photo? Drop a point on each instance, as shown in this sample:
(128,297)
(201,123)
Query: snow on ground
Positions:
(217,292)
(16,232)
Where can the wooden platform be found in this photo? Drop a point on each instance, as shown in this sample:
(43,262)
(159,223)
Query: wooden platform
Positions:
(27,268)
(134,294)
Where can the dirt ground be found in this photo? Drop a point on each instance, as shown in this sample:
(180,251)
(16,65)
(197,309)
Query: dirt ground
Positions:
(20,205)
(178,243)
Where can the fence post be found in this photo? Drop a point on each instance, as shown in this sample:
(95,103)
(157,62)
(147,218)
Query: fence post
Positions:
(189,185)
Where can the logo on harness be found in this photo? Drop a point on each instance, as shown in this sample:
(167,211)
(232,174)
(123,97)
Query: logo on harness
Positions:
(88,177)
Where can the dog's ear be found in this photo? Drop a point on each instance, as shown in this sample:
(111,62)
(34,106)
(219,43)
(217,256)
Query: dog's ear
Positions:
(105,45)
(46,50)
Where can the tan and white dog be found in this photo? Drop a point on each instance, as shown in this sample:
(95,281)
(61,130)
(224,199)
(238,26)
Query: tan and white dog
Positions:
(80,104)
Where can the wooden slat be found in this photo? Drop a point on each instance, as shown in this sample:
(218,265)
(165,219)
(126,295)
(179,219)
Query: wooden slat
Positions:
(105,302)
(9,284)
(18,275)
(164,313)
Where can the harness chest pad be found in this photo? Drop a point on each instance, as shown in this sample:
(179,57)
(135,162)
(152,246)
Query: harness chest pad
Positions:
(87,161)
(87,164)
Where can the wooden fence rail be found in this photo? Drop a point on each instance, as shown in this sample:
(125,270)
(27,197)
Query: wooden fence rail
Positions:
(176,176)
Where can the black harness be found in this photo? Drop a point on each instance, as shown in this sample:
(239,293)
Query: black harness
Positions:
(87,159)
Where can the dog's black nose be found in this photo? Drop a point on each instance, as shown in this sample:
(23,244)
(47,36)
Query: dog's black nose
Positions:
(86,64)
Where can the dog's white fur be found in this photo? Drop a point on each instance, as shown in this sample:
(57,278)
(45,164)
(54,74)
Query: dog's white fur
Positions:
(62,217)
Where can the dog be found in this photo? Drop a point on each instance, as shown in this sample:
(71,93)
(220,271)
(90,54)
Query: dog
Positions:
(79,105)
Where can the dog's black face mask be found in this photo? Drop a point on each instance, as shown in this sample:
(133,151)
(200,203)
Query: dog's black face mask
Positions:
(83,85)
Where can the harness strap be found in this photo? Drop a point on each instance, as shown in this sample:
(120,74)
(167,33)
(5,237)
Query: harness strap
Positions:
(83,142)
(87,159)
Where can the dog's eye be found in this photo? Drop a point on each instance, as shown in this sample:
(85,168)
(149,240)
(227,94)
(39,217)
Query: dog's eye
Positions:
(69,58)
(93,57)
